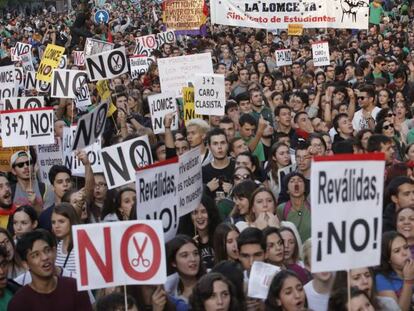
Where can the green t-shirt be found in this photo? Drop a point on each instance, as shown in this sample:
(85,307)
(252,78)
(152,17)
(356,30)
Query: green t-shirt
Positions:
(266,112)
(375,13)
(4,301)
(301,219)
(259,151)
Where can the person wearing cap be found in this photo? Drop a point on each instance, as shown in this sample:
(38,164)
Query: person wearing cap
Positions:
(28,190)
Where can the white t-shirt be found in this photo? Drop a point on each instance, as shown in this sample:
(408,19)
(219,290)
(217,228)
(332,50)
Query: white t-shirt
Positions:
(359,123)
(316,301)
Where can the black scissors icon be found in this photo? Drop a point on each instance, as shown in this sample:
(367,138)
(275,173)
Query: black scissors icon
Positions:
(140,250)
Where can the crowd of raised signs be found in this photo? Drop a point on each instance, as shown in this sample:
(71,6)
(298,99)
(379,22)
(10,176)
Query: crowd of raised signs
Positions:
(253,222)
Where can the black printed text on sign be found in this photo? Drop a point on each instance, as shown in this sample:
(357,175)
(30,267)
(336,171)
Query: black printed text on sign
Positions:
(346,194)
(320,53)
(90,127)
(67,83)
(15,103)
(7,84)
(119,253)
(27,127)
(283,57)
(107,65)
(209,94)
(139,65)
(158,197)
(30,83)
(160,105)
(121,161)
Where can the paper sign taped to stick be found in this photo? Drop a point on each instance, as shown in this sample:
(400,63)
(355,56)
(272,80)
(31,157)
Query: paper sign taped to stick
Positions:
(346,200)
(7,82)
(283,57)
(47,156)
(90,127)
(175,72)
(14,103)
(320,54)
(119,253)
(51,60)
(188,104)
(122,160)
(190,181)
(209,94)
(158,199)
(139,65)
(261,276)
(160,105)
(107,65)
(67,83)
(27,127)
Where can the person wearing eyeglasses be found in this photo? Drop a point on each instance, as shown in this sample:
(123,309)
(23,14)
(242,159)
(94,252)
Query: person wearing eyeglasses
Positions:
(365,117)
(386,127)
(28,190)
(380,70)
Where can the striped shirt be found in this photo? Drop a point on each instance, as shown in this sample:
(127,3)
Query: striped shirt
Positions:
(61,258)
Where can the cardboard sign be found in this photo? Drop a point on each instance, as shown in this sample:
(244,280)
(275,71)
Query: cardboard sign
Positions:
(209,94)
(260,278)
(78,58)
(190,181)
(90,127)
(271,14)
(27,127)
(295,29)
(7,82)
(51,60)
(139,65)
(107,65)
(14,103)
(119,253)
(67,83)
(320,54)
(47,156)
(76,166)
(122,160)
(160,105)
(30,83)
(175,72)
(94,46)
(283,57)
(188,104)
(184,15)
(157,200)
(346,200)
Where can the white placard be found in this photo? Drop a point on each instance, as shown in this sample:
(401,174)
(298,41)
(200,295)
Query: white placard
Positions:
(209,94)
(107,65)
(260,278)
(27,62)
(157,198)
(30,83)
(160,105)
(121,161)
(346,200)
(27,127)
(94,46)
(21,49)
(7,83)
(175,72)
(146,44)
(14,103)
(67,83)
(139,65)
(320,54)
(119,253)
(47,156)
(283,57)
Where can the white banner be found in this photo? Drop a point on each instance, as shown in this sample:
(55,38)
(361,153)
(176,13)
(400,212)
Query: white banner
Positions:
(139,65)
(320,54)
(346,200)
(94,46)
(283,57)
(7,83)
(67,83)
(190,181)
(14,103)
(209,94)
(175,72)
(160,105)
(107,65)
(158,199)
(47,156)
(27,127)
(122,160)
(119,253)
(278,14)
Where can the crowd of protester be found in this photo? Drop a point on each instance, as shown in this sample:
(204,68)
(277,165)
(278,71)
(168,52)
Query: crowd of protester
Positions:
(256,165)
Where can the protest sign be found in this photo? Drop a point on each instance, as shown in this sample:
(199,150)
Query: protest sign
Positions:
(190,181)
(47,156)
(160,105)
(122,160)
(83,97)
(5,155)
(261,276)
(51,60)
(320,54)
(18,79)
(154,41)
(283,57)
(21,49)
(346,200)
(30,83)
(175,72)
(7,82)
(63,62)
(73,163)
(295,29)
(27,127)
(157,200)
(184,15)
(13,103)
(278,14)
(27,62)
(90,127)
(78,58)
(282,172)
(94,46)
(119,253)
(13,56)
(107,65)
(209,94)
(139,65)
(67,83)
(188,105)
